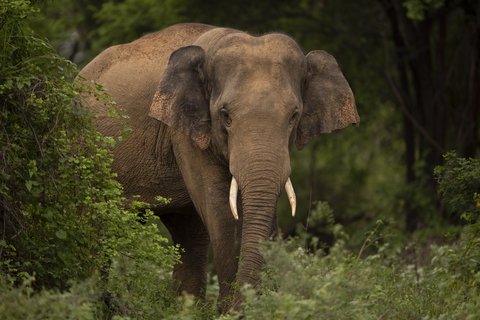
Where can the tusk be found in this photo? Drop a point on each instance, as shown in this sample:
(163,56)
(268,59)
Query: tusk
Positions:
(291,196)
(233,197)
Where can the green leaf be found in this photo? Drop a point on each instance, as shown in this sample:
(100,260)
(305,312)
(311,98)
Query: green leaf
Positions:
(61,234)
(29,185)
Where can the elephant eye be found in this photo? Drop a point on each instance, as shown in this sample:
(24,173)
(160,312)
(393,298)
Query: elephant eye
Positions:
(225,117)
(294,118)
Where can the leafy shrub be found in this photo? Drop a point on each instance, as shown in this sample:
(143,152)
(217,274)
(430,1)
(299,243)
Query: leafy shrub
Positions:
(301,285)
(320,229)
(23,302)
(459,185)
(64,215)
(139,279)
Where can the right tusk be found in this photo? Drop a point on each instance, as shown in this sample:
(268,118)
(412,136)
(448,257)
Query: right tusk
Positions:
(291,196)
(233,197)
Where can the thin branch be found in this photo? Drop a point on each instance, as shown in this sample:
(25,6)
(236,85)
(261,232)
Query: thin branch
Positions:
(410,116)
(34,135)
(404,107)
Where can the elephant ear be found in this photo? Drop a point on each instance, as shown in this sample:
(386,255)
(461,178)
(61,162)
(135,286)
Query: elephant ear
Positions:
(328,102)
(180,100)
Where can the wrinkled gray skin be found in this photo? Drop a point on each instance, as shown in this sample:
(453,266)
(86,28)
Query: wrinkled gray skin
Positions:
(206,103)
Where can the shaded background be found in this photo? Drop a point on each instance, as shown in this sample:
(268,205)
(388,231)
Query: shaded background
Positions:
(413,66)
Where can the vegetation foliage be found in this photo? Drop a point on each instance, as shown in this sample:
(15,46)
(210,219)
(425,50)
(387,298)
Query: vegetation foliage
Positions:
(73,247)
(63,214)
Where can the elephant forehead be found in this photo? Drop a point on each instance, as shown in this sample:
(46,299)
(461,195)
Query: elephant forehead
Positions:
(261,55)
(273,49)
(267,67)
(259,69)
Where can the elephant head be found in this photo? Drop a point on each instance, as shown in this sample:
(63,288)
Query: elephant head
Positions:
(248,100)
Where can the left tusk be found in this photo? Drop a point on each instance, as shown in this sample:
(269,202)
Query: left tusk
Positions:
(291,196)
(233,197)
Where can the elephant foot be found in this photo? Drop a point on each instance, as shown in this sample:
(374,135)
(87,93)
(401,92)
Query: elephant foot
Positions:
(231,302)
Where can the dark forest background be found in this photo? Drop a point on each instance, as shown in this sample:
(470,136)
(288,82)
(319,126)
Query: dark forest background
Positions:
(400,188)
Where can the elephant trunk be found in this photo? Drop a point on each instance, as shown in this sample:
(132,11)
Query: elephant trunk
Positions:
(260,163)
(261,177)
(259,195)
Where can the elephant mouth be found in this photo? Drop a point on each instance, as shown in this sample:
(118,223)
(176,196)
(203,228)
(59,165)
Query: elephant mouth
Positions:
(292,198)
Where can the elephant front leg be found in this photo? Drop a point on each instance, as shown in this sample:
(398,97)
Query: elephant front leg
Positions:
(226,264)
(211,199)
(225,236)
(188,231)
(208,184)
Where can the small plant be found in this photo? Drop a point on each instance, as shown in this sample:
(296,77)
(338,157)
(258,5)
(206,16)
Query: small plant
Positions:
(459,184)
(320,231)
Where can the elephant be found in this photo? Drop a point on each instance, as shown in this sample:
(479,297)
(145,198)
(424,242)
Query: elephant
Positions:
(214,113)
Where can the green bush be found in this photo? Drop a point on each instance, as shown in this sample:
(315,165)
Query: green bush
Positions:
(301,285)
(63,213)
(459,185)
(23,302)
